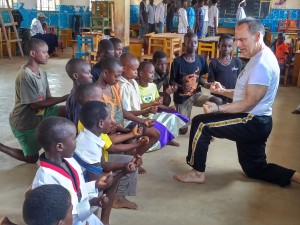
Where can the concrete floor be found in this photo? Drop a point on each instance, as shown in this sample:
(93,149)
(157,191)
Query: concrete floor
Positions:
(227,197)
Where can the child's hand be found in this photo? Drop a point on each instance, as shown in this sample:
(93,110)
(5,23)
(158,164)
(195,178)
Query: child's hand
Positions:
(143,140)
(149,122)
(172,107)
(159,100)
(137,131)
(129,167)
(137,160)
(102,201)
(152,109)
(104,181)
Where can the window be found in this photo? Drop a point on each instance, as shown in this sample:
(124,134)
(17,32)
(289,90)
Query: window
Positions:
(3,3)
(46,5)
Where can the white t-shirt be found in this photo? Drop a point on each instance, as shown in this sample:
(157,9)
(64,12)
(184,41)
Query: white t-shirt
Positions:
(182,18)
(240,14)
(89,147)
(160,13)
(36,27)
(262,69)
(205,8)
(212,13)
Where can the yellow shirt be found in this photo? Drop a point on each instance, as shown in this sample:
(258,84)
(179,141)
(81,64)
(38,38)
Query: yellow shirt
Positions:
(149,94)
(104,137)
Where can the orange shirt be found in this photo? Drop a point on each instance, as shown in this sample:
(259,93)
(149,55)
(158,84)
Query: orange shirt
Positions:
(281,50)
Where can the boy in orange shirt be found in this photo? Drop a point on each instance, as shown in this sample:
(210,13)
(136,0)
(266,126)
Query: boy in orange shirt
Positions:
(281,50)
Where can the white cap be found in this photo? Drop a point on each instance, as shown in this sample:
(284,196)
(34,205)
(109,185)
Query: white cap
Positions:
(42,15)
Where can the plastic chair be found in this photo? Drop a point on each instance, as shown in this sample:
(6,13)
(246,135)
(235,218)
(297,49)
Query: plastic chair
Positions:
(82,43)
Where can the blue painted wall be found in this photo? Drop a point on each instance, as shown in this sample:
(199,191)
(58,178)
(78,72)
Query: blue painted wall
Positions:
(62,17)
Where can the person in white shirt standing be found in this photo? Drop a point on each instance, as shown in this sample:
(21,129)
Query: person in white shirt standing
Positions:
(213,18)
(240,14)
(160,16)
(205,23)
(151,16)
(183,24)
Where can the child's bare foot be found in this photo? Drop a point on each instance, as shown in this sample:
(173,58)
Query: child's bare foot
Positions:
(6,221)
(174,143)
(192,176)
(122,202)
(141,170)
(296,177)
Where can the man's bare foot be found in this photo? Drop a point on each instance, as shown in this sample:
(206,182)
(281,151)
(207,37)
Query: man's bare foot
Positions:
(122,202)
(174,143)
(192,176)
(141,170)
(296,177)
(6,221)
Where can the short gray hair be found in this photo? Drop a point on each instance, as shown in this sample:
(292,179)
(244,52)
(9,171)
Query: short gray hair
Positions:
(254,25)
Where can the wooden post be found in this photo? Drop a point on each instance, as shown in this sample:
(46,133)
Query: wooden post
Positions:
(122,21)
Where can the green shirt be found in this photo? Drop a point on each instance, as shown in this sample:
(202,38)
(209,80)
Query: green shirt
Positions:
(149,94)
(29,88)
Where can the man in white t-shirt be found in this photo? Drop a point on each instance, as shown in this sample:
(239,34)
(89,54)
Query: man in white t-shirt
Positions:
(240,14)
(248,119)
(213,18)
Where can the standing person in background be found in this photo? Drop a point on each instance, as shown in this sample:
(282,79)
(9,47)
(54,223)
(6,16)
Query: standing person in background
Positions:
(151,16)
(183,25)
(191,13)
(240,14)
(171,9)
(213,18)
(143,19)
(160,16)
(205,23)
(200,13)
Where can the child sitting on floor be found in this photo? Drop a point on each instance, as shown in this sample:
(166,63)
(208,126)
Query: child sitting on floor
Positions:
(79,71)
(108,84)
(47,204)
(186,73)
(168,121)
(118,45)
(57,136)
(33,102)
(113,149)
(105,49)
(95,117)
(225,69)
(162,77)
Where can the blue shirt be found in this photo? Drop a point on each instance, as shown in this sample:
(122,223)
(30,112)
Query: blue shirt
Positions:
(191,16)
